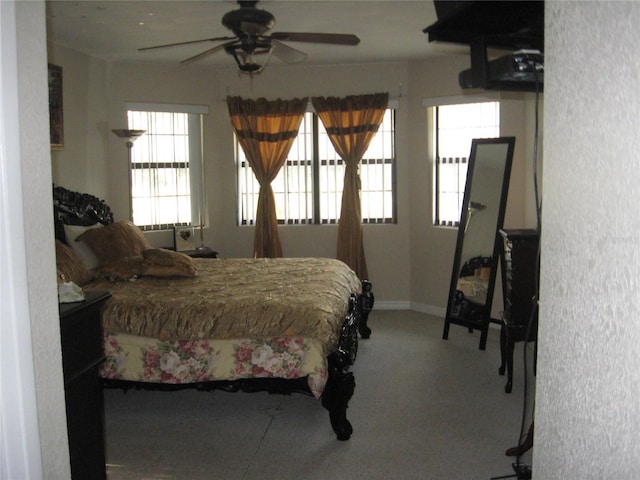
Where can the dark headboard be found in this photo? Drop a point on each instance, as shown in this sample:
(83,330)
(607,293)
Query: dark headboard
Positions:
(73,208)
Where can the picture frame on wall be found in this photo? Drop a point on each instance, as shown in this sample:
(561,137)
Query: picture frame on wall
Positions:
(56,119)
(185,238)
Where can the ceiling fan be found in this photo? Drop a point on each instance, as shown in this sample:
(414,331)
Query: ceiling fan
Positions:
(250,26)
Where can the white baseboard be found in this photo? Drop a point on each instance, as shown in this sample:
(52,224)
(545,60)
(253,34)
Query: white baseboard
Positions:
(417,307)
(394,305)
(429,309)
(407,305)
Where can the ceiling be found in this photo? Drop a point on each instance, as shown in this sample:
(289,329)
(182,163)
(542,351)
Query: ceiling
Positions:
(389,31)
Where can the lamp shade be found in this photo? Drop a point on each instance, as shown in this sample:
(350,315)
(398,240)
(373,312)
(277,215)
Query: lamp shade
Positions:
(130,135)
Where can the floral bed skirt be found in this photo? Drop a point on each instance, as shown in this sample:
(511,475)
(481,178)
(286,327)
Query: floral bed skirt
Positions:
(143,359)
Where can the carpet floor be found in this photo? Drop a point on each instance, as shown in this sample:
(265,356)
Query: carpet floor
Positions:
(423,408)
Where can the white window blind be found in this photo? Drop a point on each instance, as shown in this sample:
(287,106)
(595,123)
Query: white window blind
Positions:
(166,167)
(308,188)
(455,125)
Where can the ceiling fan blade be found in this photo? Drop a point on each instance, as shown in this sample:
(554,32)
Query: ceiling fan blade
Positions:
(207,52)
(217,39)
(287,54)
(330,38)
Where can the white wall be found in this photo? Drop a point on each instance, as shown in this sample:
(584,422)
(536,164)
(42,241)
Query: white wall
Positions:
(19,436)
(393,252)
(432,247)
(388,261)
(27,203)
(83,161)
(587,404)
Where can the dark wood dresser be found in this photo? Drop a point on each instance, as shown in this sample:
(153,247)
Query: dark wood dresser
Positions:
(519,262)
(82,354)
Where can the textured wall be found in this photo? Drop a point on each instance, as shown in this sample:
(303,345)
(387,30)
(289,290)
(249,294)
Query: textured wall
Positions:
(588,409)
(35,162)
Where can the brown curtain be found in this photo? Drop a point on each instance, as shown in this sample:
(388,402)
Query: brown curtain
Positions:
(266,130)
(351,123)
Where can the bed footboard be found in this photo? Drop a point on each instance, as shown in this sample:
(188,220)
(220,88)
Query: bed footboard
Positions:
(341,384)
(365,304)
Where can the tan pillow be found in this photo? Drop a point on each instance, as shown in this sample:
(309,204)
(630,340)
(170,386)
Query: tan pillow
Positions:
(121,270)
(115,241)
(70,267)
(159,262)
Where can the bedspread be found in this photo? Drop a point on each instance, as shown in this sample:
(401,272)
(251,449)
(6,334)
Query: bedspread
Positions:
(235,299)
(474,288)
(142,359)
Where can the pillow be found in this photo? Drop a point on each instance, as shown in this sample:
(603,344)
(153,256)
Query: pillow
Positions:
(81,249)
(69,266)
(124,269)
(115,241)
(159,262)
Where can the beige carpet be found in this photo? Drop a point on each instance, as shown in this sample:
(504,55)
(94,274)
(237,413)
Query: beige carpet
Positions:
(424,408)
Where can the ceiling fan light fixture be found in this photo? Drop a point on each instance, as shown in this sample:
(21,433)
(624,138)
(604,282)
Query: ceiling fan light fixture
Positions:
(251,59)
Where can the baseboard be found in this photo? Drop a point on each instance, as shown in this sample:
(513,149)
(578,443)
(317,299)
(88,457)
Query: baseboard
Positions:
(420,308)
(413,306)
(392,305)
(428,309)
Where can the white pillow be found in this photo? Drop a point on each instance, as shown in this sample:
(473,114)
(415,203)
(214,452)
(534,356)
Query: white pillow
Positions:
(81,249)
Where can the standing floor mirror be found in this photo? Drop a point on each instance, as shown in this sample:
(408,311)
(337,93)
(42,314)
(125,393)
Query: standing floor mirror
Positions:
(478,244)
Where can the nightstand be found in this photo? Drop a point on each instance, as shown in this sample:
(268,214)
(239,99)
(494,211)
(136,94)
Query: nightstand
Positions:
(203,252)
(82,354)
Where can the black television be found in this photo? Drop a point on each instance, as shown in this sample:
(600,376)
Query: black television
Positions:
(515,26)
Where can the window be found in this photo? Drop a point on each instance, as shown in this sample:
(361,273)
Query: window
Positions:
(166,165)
(454,128)
(308,188)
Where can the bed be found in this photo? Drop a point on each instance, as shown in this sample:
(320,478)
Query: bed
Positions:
(283,325)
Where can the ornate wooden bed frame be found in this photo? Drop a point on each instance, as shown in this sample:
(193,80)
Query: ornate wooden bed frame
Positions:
(85,209)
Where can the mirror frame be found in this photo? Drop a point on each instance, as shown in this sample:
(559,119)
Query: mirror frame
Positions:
(479,316)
